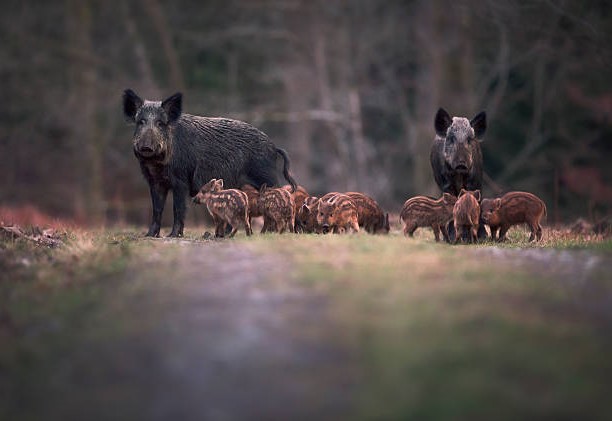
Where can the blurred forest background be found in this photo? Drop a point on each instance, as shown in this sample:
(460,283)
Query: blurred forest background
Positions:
(348,88)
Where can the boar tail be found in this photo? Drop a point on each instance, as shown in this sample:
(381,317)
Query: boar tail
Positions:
(286,171)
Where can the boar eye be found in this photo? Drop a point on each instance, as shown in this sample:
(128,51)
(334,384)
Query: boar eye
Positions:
(159,123)
(451,139)
(141,122)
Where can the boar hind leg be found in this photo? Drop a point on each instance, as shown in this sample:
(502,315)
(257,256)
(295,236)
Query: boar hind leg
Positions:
(539,232)
(444,233)
(247,224)
(452,234)
(219,227)
(536,232)
(482,232)
(502,233)
(409,229)
(158,200)
(436,231)
(474,234)
(493,231)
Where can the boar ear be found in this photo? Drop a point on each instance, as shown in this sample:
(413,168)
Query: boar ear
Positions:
(442,122)
(173,106)
(479,124)
(131,104)
(477,194)
(462,192)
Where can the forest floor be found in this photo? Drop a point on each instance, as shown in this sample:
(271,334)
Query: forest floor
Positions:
(111,325)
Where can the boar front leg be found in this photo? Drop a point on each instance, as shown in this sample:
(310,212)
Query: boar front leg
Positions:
(158,200)
(179,195)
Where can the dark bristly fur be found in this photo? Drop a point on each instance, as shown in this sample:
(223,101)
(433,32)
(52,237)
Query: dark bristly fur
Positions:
(456,156)
(225,206)
(423,211)
(181,152)
(278,209)
(370,215)
(337,213)
(513,208)
(466,215)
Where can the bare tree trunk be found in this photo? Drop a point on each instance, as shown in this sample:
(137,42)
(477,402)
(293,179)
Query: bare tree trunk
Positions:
(155,12)
(359,143)
(299,130)
(336,168)
(428,83)
(90,204)
(140,53)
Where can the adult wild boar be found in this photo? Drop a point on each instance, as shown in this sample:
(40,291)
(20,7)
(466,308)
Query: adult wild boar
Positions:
(181,152)
(456,157)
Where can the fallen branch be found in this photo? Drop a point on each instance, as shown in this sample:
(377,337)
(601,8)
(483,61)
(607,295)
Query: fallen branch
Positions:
(43,238)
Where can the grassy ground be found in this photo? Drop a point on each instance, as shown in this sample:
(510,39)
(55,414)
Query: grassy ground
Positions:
(325,327)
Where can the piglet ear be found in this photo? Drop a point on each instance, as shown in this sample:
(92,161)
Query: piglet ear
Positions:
(448,198)
(305,209)
(173,106)
(497,203)
(479,124)
(477,194)
(442,122)
(263,188)
(131,104)
(219,184)
(462,192)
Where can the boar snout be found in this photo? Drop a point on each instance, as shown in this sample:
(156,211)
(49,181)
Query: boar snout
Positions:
(146,151)
(461,167)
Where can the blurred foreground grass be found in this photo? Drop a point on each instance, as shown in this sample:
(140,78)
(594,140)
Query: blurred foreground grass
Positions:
(515,331)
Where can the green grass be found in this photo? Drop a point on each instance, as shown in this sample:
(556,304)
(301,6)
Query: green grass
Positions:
(433,331)
(442,333)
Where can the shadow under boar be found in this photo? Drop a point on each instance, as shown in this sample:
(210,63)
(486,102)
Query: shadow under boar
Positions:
(278,208)
(466,215)
(513,208)
(370,215)
(456,155)
(423,211)
(181,152)
(229,206)
(337,213)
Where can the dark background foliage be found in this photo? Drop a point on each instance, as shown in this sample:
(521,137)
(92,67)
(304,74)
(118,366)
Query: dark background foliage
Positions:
(349,88)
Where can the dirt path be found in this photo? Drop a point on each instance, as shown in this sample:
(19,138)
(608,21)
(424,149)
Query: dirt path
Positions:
(240,329)
(234,341)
